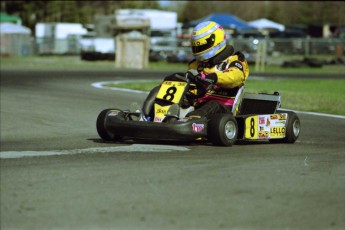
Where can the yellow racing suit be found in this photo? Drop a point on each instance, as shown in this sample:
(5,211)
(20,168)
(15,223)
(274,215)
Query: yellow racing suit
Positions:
(228,71)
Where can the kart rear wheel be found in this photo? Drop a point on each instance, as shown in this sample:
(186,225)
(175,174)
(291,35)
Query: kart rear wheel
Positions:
(293,128)
(102,132)
(222,130)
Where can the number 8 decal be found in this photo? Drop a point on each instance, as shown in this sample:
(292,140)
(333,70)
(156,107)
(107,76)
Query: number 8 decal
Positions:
(169,96)
(252,128)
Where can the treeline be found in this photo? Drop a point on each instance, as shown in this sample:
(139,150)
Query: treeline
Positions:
(33,11)
(285,12)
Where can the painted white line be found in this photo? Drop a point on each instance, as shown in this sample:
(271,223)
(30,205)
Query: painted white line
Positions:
(322,114)
(316,114)
(127,148)
(101,85)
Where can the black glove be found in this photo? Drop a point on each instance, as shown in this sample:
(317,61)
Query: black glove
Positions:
(191,74)
(204,79)
(194,76)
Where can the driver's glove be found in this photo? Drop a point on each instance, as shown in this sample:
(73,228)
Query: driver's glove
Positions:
(204,79)
(191,74)
(194,76)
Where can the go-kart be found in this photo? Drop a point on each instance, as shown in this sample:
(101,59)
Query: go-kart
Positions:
(254,116)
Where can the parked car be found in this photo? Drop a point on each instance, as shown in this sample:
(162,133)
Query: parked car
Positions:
(163,42)
(340,33)
(248,41)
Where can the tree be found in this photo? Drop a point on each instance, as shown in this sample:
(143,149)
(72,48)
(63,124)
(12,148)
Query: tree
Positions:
(32,11)
(284,12)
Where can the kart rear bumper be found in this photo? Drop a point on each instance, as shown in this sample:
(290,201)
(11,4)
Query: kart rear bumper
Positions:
(177,130)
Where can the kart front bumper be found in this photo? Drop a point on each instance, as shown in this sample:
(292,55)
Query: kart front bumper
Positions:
(178,130)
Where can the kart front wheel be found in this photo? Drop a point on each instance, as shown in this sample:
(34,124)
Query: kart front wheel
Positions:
(222,130)
(102,131)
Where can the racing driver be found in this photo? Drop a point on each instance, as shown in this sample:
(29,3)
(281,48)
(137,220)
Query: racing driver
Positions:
(215,62)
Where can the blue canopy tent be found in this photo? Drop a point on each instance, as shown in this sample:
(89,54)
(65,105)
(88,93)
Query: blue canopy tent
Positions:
(228,21)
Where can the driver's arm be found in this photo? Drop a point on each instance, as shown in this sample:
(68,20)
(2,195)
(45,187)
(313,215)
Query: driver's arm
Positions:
(235,75)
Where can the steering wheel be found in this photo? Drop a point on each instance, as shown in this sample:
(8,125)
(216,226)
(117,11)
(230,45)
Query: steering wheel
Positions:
(201,85)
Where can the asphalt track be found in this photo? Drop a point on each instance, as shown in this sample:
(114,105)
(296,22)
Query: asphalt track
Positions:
(81,182)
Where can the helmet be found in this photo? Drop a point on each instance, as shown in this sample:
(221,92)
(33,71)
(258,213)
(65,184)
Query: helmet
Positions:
(208,39)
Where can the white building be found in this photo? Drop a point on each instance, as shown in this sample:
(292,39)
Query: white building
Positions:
(59,38)
(15,40)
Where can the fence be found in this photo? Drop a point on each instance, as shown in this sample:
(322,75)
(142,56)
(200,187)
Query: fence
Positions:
(70,46)
(16,45)
(302,46)
(282,46)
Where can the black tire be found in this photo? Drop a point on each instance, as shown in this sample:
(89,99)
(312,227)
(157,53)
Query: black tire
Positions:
(102,132)
(222,130)
(293,128)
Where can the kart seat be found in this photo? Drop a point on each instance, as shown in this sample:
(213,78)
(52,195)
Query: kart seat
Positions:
(259,103)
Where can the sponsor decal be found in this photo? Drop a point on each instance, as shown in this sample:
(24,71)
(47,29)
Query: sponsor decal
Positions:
(274,116)
(163,111)
(268,122)
(277,131)
(281,122)
(261,120)
(158,119)
(238,65)
(283,116)
(263,135)
(198,127)
(265,126)
(167,83)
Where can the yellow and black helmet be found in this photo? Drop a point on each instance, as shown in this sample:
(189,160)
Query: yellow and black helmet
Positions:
(208,39)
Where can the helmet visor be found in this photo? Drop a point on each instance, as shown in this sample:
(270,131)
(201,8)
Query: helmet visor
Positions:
(209,43)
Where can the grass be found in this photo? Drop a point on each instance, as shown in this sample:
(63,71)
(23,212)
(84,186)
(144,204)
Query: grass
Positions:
(325,96)
(326,69)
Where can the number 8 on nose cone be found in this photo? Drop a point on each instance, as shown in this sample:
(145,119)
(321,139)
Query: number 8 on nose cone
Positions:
(171,92)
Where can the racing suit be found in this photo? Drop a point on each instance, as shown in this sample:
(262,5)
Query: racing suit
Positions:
(228,70)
